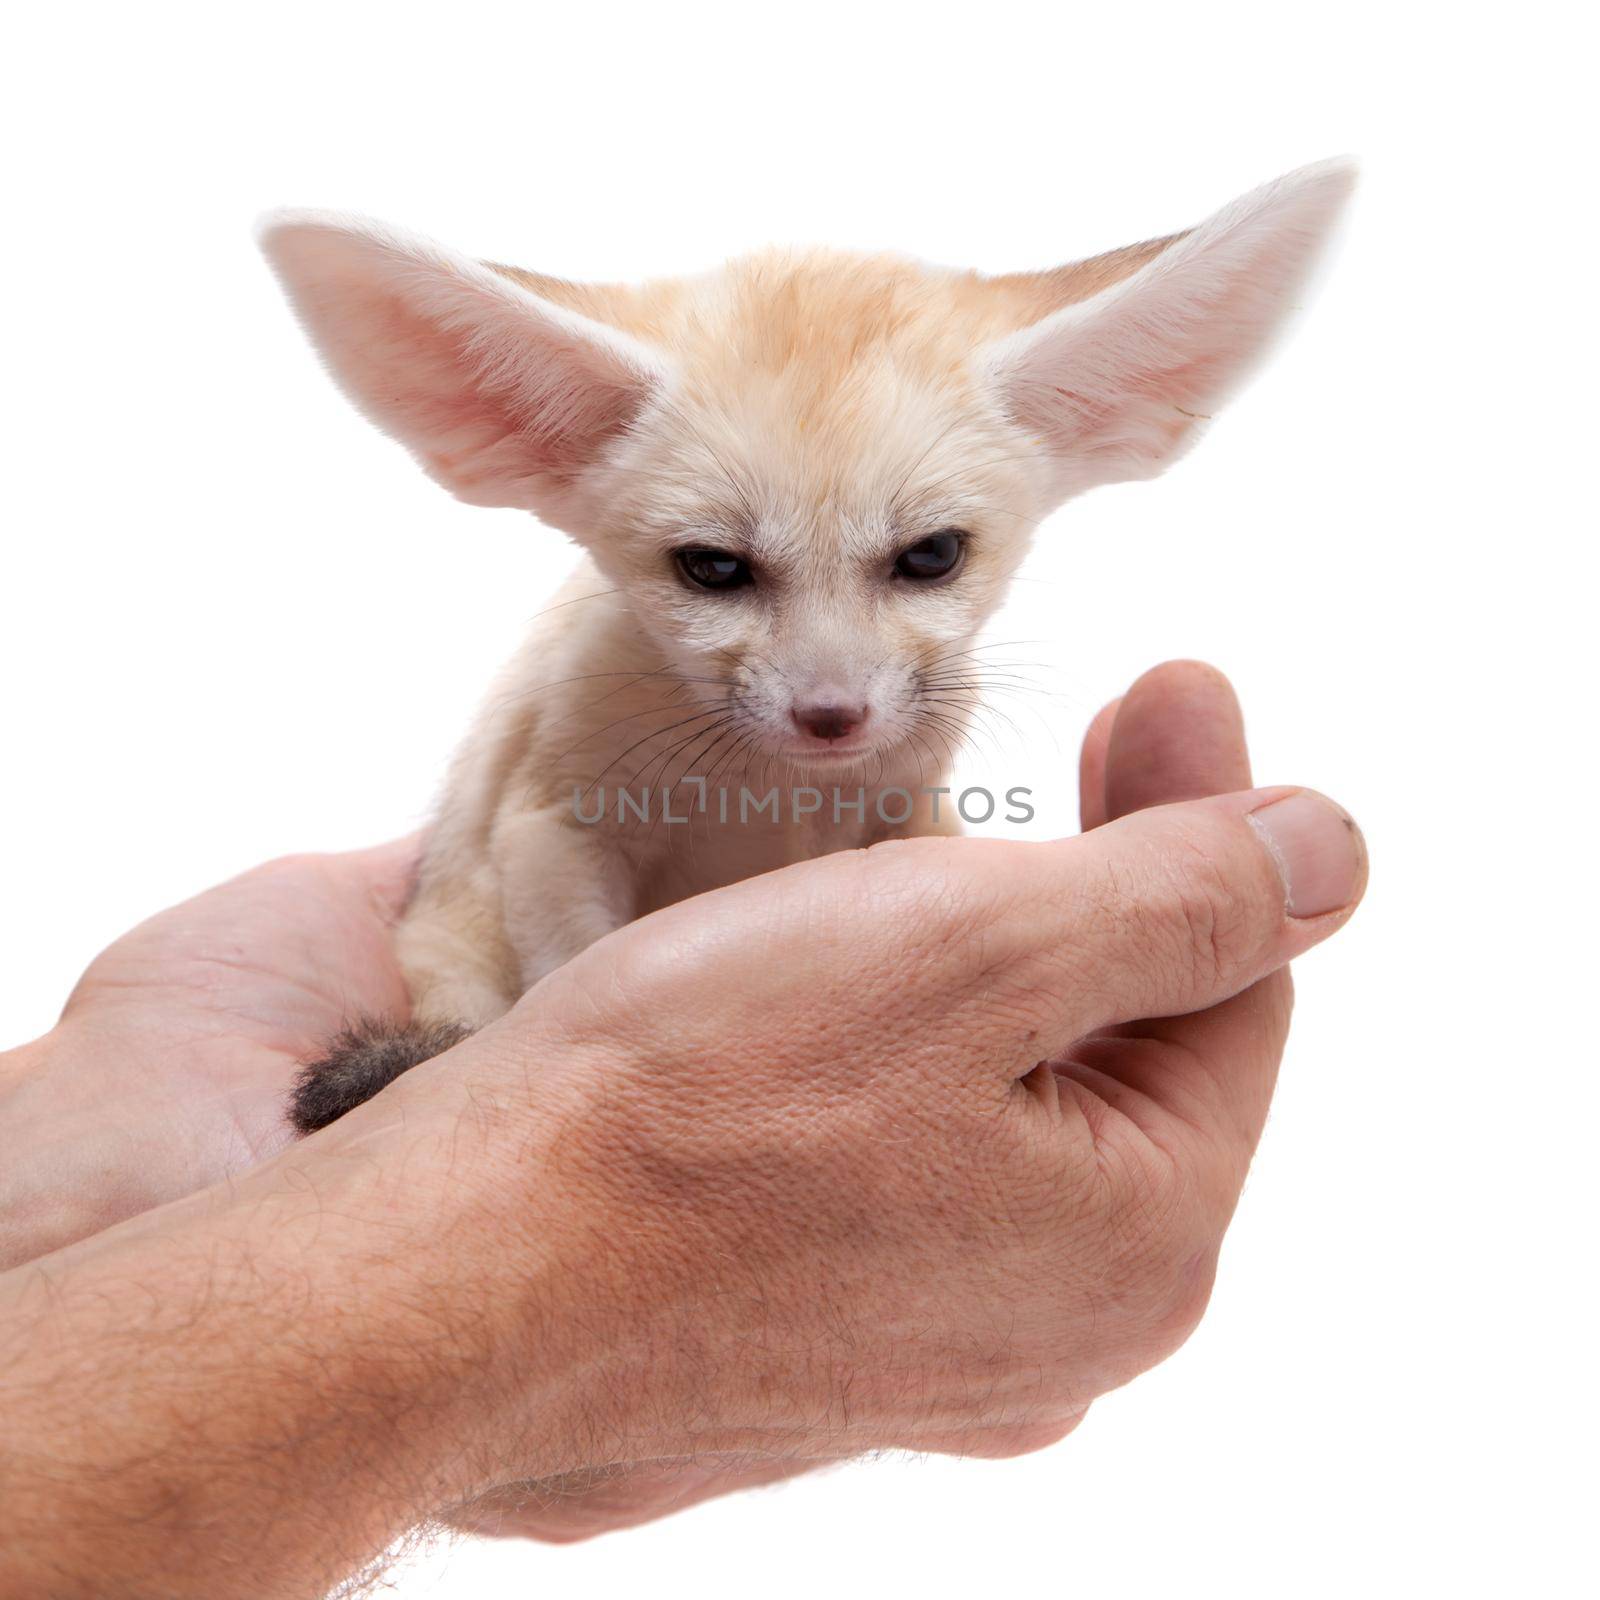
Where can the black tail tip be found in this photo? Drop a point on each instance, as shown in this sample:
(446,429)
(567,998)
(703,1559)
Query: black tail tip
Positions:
(364,1057)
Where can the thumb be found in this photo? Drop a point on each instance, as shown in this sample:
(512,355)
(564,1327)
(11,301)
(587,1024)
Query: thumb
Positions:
(1176,908)
(1183,906)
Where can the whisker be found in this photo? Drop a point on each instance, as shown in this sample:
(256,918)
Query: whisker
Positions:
(561,605)
(663,709)
(584,677)
(973,708)
(655,733)
(666,763)
(939,438)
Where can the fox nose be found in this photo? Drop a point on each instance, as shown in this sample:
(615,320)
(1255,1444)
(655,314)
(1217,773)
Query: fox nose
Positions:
(828,719)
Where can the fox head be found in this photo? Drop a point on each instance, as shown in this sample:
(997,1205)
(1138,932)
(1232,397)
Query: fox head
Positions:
(812,473)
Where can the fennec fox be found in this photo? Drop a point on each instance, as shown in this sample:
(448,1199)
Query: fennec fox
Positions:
(802,483)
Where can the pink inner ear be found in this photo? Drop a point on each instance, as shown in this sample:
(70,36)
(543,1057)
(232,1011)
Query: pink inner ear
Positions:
(422,377)
(487,421)
(1123,393)
(502,398)
(1119,382)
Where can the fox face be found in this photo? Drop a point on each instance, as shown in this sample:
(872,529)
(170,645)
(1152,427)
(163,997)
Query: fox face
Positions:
(813,474)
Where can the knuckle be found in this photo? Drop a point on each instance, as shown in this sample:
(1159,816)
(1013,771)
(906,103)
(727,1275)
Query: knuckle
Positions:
(1207,919)
(1182,1304)
(1163,1230)
(1006,1442)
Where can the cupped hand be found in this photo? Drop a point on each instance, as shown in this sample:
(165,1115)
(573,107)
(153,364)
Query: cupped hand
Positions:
(1177,735)
(171,1066)
(921,1148)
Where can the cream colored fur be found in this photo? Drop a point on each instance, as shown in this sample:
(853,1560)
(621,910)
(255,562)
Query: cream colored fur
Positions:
(813,413)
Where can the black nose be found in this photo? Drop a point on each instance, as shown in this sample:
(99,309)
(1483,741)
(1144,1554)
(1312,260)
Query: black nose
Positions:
(829,721)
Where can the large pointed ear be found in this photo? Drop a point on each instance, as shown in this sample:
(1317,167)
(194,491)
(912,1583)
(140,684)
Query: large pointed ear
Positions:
(1117,385)
(504,397)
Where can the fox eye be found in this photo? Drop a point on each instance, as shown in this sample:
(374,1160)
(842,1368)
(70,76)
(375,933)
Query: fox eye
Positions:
(715,569)
(937,556)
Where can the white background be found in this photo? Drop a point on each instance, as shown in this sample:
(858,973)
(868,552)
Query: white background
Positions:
(234,622)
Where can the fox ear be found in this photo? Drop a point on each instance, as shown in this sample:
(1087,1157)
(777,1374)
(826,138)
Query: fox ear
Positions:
(504,397)
(1116,385)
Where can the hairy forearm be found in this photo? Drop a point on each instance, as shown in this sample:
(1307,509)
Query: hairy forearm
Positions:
(257,1390)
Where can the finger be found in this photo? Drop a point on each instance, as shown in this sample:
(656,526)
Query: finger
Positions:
(1092,768)
(1178,736)
(1215,1068)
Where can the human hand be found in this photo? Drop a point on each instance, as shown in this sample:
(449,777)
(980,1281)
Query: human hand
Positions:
(171,1065)
(1177,735)
(924,1147)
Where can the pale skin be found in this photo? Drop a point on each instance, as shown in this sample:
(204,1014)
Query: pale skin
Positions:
(639,1235)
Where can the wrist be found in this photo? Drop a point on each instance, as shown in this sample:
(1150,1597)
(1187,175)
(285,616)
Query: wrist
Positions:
(589,1298)
(451,1215)
(611,1273)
